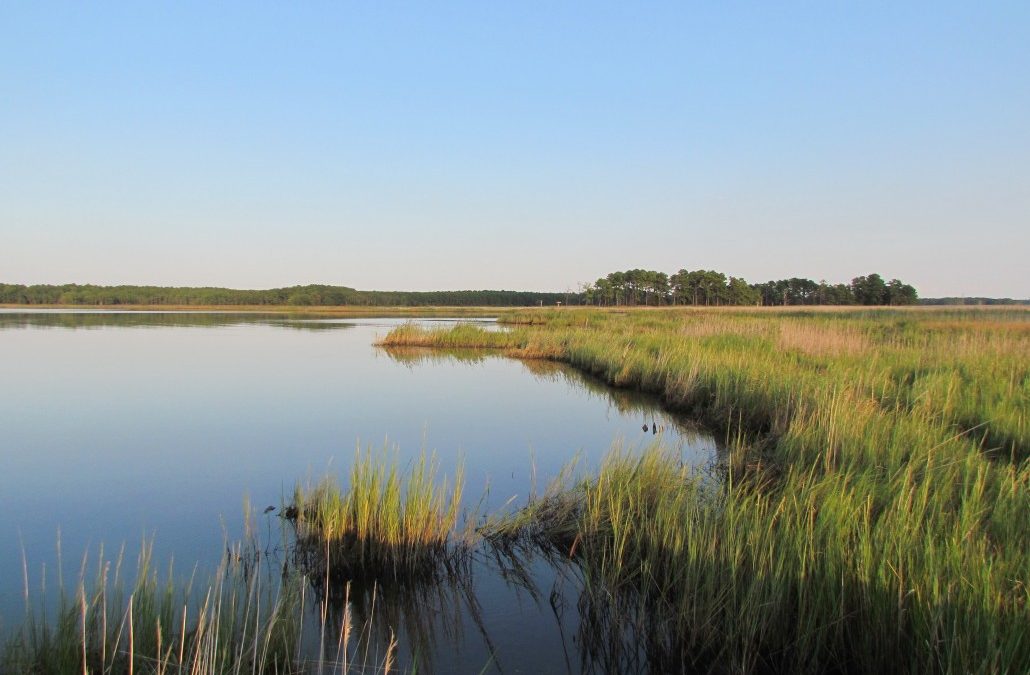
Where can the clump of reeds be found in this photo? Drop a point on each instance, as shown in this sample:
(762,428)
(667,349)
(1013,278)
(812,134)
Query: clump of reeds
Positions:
(457,337)
(253,615)
(624,530)
(384,525)
(518,343)
(238,622)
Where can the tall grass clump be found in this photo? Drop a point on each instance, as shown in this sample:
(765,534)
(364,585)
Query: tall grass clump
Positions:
(240,621)
(460,336)
(385,525)
(627,530)
(514,342)
(874,513)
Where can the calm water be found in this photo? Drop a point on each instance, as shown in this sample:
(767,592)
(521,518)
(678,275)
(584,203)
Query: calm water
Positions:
(120,426)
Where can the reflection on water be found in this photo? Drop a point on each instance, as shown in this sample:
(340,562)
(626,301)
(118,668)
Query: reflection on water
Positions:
(126,319)
(48,318)
(413,357)
(627,402)
(159,423)
(427,618)
(449,622)
(494,611)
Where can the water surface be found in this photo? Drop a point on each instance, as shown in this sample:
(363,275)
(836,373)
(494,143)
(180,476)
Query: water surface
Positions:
(120,426)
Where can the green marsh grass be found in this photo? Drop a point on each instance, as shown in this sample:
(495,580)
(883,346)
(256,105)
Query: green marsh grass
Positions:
(252,615)
(238,622)
(385,525)
(875,511)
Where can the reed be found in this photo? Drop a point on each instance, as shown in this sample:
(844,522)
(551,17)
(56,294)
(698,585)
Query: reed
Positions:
(874,512)
(384,525)
(516,343)
(255,614)
(239,621)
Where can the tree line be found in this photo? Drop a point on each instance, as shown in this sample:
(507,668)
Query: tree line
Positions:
(711,288)
(310,295)
(973,301)
(631,287)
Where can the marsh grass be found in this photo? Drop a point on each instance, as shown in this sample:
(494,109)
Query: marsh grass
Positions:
(385,526)
(677,576)
(239,621)
(254,614)
(463,337)
(874,513)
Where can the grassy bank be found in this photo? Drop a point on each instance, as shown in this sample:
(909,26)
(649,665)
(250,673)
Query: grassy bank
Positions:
(876,506)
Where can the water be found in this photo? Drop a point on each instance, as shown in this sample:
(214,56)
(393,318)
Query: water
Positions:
(115,427)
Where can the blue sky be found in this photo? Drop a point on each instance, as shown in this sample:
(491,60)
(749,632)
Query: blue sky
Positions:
(514,145)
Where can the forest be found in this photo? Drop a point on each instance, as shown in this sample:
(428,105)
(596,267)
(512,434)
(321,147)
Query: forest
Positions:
(973,301)
(711,288)
(310,295)
(629,288)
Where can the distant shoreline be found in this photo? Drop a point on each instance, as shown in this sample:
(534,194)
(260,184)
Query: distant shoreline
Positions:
(490,310)
(349,310)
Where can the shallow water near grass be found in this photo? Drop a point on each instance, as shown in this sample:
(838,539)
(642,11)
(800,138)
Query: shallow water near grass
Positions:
(120,427)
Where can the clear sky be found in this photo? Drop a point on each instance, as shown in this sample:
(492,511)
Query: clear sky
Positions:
(518,145)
